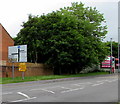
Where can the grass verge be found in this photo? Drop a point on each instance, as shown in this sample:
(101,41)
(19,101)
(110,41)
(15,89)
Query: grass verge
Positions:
(48,77)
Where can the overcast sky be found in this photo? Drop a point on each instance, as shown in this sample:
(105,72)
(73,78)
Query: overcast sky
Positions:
(14,12)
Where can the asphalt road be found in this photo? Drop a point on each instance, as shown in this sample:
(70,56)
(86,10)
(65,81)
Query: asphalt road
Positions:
(87,89)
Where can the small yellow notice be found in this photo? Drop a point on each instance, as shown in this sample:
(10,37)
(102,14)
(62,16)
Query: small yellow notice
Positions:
(22,67)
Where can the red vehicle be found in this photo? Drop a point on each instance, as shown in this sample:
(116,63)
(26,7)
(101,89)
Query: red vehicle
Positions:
(106,64)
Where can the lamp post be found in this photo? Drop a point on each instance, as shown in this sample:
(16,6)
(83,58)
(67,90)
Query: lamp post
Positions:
(111,56)
(118,49)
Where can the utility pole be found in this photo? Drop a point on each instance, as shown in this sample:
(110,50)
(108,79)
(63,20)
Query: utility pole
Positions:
(118,49)
(119,39)
(111,56)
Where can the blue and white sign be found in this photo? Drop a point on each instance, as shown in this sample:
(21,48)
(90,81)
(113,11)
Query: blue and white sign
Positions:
(18,47)
(17,53)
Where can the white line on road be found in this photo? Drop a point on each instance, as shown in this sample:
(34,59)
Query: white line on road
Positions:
(82,84)
(97,84)
(7,93)
(48,91)
(72,90)
(53,87)
(23,99)
(102,81)
(112,80)
(24,95)
(27,97)
(78,85)
(66,88)
(35,89)
(41,88)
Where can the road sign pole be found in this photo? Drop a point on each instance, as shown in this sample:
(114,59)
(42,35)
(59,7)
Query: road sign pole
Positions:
(22,75)
(18,54)
(12,70)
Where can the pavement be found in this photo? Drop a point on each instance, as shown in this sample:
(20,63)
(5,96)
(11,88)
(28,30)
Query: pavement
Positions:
(101,88)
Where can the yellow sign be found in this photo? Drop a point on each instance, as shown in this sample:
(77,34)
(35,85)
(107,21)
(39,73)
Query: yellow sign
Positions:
(22,67)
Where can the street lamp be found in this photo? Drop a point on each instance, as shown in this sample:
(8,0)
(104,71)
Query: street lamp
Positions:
(118,49)
(111,56)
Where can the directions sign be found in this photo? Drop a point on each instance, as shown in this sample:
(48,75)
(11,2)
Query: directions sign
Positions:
(17,53)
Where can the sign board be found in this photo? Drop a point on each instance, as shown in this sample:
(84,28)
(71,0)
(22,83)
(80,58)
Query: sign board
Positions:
(22,67)
(17,53)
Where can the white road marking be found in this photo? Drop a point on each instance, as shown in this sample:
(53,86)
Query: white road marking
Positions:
(66,88)
(52,87)
(23,99)
(78,85)
(112,80)
(7,93)
(82,84)
(27,97)
(24,95)
(35,89)
(102,81)
(72,90)
(45,88)
(48,91)
(97,84)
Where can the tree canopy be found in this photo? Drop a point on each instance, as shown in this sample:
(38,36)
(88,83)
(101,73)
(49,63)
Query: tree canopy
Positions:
(69,39)
(114,48)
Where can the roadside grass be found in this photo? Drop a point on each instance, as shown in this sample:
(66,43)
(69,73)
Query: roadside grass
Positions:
(48,77)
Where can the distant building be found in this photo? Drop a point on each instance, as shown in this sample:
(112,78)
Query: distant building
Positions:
(5,41)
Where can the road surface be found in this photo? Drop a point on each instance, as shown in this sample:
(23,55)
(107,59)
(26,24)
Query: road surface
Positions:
(86,89)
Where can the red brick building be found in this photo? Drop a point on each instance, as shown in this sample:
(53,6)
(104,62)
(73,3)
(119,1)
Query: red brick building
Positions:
(5,41)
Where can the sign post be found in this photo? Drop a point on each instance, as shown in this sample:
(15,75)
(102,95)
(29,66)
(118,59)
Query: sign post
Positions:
(17,54)
(22,75)
(13,70)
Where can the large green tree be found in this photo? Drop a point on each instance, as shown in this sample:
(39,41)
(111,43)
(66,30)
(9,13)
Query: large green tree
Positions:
(114,48)
(69,39)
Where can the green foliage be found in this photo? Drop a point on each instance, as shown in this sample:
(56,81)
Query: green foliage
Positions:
(114,48)
(69,39)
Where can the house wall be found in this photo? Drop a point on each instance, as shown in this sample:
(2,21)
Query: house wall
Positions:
(0,50)
(6,41)
(0,43)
